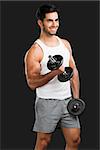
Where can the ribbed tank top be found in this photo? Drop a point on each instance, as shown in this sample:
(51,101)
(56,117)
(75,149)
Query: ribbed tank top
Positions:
(54,89)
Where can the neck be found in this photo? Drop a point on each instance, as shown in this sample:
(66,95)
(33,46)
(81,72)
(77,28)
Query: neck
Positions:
(46,37)
(49,40)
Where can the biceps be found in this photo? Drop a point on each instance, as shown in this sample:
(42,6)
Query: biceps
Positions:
(32,69)
(72,62)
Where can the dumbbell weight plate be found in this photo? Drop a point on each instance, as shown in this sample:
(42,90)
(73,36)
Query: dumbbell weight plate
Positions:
(76,106)
(67,75)
(55,65)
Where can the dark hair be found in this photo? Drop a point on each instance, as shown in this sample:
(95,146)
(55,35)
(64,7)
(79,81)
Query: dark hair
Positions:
(46,8)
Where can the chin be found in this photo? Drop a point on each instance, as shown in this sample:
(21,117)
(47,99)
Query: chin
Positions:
(52,33)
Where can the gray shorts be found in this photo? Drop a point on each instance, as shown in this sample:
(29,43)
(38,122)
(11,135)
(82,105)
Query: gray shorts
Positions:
(48,112)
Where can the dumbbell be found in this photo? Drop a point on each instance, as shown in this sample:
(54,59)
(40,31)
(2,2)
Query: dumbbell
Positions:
(66,75)
(76,107)
(54,62)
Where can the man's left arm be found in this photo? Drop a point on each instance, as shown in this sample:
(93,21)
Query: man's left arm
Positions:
(75,83)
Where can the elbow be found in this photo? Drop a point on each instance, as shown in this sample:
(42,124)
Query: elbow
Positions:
(31,85)
(30,82)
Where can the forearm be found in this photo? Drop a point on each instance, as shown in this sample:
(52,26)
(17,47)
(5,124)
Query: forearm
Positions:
(75,85)
(40,80)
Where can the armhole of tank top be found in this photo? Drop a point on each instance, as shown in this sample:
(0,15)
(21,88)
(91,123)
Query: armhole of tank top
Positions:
(62,43)
(40,45)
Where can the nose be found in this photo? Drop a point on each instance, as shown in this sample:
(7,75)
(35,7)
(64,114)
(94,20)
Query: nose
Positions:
(54,23)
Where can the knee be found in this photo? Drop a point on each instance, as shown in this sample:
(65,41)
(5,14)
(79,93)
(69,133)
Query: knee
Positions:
(44,142)
(76,140)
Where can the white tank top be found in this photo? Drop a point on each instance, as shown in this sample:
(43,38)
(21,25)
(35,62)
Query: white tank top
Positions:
(54,89)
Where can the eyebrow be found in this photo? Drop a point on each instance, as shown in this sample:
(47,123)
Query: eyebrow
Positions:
(52,19)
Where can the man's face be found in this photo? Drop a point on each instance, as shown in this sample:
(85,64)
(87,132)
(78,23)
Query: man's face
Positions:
(50,23)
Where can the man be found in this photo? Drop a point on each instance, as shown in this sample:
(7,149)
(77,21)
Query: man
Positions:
(52,95)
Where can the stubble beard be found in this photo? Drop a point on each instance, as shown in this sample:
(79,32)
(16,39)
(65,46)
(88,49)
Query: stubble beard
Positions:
(49,33)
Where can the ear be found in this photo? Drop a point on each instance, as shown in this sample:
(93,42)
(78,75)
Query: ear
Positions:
(40,23)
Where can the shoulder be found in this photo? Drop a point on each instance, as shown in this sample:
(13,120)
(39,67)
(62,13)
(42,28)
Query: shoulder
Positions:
(34,52)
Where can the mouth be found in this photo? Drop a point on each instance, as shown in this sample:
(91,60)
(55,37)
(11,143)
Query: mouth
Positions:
(53,28)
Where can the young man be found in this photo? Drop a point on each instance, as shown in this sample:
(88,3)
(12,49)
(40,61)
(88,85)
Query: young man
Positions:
(52,95)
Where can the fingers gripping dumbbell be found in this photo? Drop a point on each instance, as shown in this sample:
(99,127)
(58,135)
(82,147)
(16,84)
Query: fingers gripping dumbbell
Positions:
(66,75)
(54,62)
(76,106)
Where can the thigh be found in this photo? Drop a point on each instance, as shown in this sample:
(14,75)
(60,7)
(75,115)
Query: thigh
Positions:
(71,133)
(48,113)
(68,120)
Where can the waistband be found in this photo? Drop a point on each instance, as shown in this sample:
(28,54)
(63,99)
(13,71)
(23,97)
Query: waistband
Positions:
(55,99)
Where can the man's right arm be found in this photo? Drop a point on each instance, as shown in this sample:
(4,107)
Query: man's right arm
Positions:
(33,68)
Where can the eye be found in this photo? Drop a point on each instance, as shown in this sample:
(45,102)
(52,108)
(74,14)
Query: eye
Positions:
(57,20)
(50,20)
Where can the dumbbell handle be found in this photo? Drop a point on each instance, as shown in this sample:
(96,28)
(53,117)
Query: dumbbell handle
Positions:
(52,59)
(65,73)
